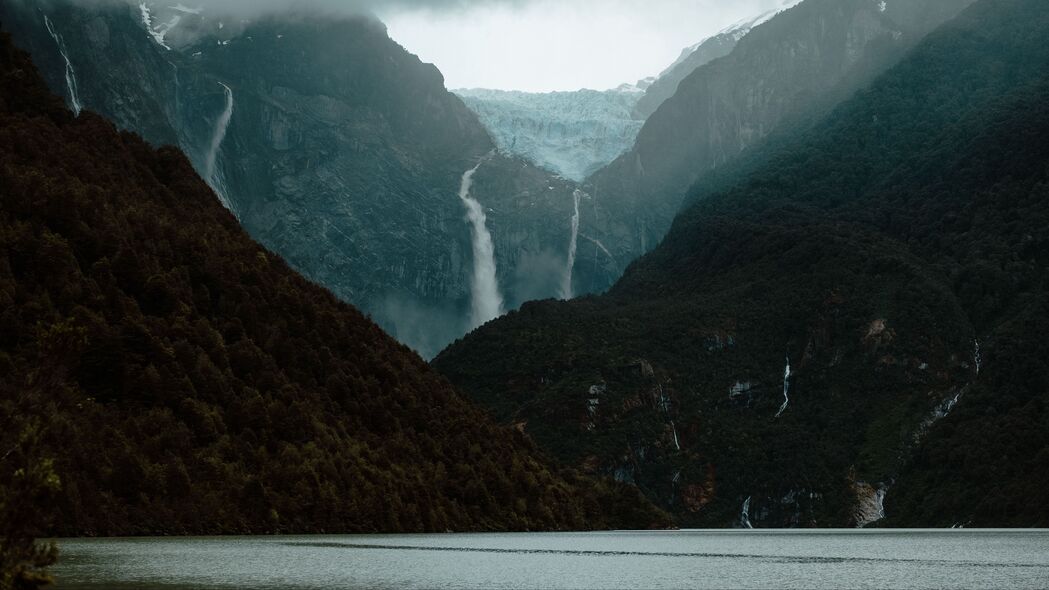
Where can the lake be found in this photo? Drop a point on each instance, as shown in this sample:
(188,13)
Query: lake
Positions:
(673,559)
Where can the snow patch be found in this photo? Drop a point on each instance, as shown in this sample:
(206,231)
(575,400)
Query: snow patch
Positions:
(159,32)
(186,10)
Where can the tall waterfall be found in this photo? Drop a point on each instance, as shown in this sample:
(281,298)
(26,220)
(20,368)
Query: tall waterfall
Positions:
(786,389)
(573,246)
(211,173)
(744,515)
(486,302)
(74,95)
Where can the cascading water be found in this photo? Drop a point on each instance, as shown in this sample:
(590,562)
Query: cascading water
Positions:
(599,245)
(74,95)
(941,411)
(870,503)
(879,499)
(786,389)
(178,98)
(211,172)
(977,355)
(486,302)
(573,246)
(744,515)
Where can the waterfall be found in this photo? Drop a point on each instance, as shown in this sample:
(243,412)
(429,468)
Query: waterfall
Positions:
(573,244)
(677,443)
(74,96)
(879,499)
(600,247)
(941,411)
(744,515)
(174,69)
(870,503)
(977,355)
(486,302)
(211,173)
(786,389)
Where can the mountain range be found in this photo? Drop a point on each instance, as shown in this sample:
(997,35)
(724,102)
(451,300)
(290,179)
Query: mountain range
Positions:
(331,144)
(798,281)
(179,378)
(783,74)
(840,329)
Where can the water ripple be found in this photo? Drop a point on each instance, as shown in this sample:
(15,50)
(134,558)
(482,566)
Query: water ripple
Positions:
(803,559)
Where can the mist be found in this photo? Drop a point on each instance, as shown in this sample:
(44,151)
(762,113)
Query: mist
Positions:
(248,9)
(530,45)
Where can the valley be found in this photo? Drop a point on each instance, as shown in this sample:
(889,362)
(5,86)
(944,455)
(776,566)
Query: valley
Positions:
(263,273)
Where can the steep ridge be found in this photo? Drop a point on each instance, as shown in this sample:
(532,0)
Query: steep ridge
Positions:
(343,152)
(186,381)
(894,254)
(784,73)
(692,58)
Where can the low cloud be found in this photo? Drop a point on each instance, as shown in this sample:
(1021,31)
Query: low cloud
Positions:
(258,8)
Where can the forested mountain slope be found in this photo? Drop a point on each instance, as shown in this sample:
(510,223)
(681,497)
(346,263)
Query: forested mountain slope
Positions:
(785,73)
(185,380)
(849,315)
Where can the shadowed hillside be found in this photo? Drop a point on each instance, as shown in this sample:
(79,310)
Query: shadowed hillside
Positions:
(185,380)
(849,315)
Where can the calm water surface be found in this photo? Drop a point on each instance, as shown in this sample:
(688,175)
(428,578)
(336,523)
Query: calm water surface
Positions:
(679,559)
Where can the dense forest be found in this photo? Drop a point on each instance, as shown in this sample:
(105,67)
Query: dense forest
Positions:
(852,308)
(160,373)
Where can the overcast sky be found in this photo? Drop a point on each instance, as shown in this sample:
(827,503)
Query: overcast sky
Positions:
(534,45)
(544,45)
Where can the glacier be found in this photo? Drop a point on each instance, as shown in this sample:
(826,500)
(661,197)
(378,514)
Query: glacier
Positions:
(572,133)
(576,133)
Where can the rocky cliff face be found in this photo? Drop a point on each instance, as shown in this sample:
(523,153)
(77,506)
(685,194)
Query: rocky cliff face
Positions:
(331,144)
(692,58)
(782,73)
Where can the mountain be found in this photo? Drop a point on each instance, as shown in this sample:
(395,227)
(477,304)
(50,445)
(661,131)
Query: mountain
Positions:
(182,379)
(333,146)
(571,133)
(576,133)
(846,323)
(696,56)
(783,74)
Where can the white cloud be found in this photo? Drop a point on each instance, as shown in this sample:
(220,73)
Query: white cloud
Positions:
(544,45)
(537,45)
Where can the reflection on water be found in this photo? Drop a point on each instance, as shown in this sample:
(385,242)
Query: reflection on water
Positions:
(694,559)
